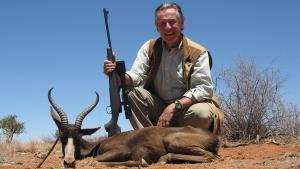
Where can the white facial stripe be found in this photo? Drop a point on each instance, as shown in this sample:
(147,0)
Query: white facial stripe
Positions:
(69,151)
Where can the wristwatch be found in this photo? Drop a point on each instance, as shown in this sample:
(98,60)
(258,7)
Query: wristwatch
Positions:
(178,105)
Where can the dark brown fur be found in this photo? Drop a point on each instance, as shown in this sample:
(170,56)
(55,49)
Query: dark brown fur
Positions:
(133,148)
(152,143)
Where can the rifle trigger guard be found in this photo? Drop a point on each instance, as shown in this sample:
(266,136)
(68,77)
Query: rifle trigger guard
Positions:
(108,112)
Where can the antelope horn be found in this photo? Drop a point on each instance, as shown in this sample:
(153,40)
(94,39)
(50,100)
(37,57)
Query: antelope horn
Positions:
(83,114)
(61,113)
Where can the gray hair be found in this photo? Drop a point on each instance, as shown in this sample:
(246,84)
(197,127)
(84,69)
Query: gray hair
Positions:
(167,5)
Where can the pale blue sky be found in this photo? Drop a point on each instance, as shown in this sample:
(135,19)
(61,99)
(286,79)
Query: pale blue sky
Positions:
(62,44)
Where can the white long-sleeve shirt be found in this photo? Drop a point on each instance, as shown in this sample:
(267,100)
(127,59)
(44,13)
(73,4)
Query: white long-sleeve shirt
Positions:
(169,83)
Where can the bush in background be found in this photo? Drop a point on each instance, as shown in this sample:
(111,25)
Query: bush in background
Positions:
(252,103)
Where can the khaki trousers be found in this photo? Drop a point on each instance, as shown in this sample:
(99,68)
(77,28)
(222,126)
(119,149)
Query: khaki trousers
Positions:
(147,108)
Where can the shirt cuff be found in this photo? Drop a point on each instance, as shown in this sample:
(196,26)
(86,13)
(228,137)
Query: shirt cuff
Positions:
(189,94)
(135,78)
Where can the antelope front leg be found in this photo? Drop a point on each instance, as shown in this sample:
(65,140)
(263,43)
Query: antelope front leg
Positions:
(113,155)
(184,158)
(115,158)
(138,163)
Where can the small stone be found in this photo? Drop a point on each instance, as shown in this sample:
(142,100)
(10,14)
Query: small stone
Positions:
(5,164)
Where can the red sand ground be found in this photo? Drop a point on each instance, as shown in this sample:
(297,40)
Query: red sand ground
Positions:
(252,156)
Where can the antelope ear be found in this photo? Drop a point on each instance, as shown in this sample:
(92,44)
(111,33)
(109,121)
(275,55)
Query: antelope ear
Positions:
(56,119)
(89,131)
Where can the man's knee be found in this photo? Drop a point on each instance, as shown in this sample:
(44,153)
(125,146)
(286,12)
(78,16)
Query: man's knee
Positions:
(132,94)
(200,110)
(137,94)
(199,115)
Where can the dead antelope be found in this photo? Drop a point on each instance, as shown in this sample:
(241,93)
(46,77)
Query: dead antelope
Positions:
(133,148)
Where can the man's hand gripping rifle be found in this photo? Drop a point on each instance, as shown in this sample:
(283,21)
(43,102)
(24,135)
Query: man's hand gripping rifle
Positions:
(112,126)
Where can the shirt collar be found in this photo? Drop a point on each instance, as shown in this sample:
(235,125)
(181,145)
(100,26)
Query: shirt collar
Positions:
(179,46)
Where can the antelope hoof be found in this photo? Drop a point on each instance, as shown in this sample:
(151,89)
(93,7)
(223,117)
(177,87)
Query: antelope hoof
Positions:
(144,163)
(164,159)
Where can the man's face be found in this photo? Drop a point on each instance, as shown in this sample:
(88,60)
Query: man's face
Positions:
(169,26)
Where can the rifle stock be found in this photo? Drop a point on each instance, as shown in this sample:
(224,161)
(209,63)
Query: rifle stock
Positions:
(112,126)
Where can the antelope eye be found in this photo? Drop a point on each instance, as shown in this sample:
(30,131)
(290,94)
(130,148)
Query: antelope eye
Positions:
(77,140)
(64,139)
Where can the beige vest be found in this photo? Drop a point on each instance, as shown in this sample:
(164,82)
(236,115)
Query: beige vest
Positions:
(191,52)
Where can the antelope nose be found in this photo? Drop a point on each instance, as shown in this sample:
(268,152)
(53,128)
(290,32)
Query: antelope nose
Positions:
(69,159)
(69,164)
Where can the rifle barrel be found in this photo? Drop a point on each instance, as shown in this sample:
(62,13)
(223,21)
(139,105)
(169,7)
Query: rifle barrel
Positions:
(105,12)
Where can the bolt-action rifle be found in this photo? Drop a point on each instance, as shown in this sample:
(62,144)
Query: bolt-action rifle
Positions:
(112,126)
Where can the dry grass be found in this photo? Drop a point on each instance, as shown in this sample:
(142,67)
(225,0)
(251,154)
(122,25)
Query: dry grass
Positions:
(10,150)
